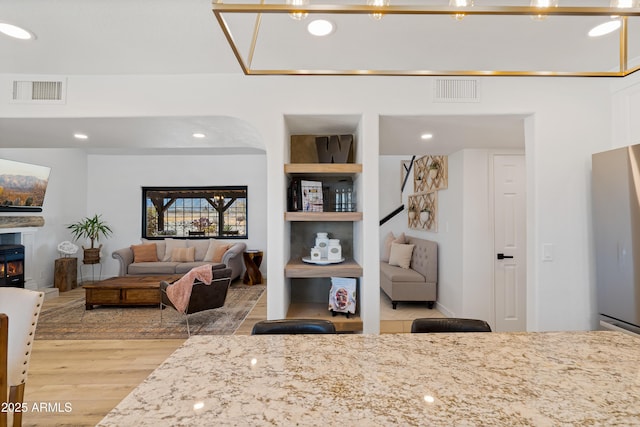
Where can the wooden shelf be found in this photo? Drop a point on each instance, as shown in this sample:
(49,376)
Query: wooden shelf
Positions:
(302,310)
(324,168)
(323,216)
(295,268)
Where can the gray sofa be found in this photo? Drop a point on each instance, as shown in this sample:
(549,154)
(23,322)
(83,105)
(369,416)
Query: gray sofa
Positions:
(232,258)
(419,282)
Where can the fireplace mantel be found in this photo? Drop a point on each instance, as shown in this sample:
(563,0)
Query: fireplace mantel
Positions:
(20,222)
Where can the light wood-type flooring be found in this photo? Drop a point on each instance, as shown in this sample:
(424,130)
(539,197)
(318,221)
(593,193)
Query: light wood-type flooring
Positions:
(77,382)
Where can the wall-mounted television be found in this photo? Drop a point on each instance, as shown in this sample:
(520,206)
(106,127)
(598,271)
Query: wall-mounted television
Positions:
(22,186)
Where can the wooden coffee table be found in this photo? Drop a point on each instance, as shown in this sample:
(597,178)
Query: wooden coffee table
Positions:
(127,290)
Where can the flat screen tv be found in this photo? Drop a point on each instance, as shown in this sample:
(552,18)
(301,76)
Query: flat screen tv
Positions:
(22,186)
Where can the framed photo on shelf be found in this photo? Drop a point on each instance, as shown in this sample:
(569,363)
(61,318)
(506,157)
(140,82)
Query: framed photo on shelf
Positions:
(311,196)
(342,295)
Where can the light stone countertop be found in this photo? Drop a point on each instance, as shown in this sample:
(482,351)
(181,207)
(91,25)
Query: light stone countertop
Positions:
(466,379)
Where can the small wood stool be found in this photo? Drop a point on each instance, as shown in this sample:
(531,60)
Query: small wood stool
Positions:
(65,274)
(252,260)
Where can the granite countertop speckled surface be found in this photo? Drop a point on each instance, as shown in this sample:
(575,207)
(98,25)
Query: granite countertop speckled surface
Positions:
(470,379)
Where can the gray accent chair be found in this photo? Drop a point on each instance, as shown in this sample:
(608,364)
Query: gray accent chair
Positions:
(418,282)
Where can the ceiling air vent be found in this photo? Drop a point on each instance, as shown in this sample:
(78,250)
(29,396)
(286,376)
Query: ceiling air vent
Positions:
(28,91)
(456,90)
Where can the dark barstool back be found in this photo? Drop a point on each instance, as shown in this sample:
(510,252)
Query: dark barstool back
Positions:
(293,326)
(437,325)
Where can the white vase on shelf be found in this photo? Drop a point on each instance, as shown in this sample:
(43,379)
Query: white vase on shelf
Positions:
(322,243)
(316,254)
(334,250)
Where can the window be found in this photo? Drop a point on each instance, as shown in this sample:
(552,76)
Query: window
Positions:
(194,212)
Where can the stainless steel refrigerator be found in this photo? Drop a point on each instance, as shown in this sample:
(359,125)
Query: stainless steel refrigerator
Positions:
(616,222)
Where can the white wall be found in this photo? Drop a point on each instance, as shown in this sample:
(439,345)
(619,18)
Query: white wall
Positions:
(451,255)
(390,196)
(65,202)
(477,237)
(115,191)
(626,107)
(571,118)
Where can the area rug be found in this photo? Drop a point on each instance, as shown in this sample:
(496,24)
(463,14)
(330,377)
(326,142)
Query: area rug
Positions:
(73,322)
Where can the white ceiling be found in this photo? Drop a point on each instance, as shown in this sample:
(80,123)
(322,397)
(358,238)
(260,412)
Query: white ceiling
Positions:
(134,135)
(181,37)
(115,37)
(400,135)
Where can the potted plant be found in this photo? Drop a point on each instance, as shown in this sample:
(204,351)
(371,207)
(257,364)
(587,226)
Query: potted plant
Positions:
(434,167)
(90,228)
(412,211)
(424,215)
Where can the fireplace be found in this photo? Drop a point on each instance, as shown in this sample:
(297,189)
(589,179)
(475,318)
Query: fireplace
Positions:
(12,266)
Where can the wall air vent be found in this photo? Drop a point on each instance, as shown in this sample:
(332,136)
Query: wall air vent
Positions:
(456,90)
(43,91)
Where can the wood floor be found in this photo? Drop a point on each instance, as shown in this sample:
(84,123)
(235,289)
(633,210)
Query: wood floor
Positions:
(93,376)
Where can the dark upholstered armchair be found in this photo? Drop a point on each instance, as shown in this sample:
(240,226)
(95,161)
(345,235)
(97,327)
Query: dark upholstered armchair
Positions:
(435,325)
(203,296)
(293,326)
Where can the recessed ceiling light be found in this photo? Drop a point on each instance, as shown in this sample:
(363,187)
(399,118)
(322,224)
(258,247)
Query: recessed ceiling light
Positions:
(320,27)
(426,136)
(198,135)
(80,136)
(606,28)
(16,32)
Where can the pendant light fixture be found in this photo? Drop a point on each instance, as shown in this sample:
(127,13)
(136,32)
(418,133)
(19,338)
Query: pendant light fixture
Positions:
(460,3)
(298,15)
(377,3)
(542,4)
(624,4)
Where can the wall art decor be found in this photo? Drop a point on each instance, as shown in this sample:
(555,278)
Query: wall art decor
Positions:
(430,173)
(423,211)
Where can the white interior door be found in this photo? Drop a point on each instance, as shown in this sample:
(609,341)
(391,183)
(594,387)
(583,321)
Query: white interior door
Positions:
(510,243)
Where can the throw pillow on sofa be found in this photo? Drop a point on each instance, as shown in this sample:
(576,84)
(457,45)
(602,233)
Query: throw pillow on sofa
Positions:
(160,247)
(183,254)
(144,253)
(387,244)
(170,245)
(216,251)
(201,246)
(401,255)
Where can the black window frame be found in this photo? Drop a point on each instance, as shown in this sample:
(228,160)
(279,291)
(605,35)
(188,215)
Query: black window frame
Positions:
(215,191)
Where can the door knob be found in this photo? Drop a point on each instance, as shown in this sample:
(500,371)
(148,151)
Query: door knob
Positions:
(503,256)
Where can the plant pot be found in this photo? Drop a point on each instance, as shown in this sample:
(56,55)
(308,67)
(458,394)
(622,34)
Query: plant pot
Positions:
(91,255)
(412,215)
(424,217)
(433,173)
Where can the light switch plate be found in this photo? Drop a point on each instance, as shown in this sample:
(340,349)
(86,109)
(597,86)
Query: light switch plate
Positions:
(547,252)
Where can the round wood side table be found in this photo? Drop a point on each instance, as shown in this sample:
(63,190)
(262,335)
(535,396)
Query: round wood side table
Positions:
(252,260)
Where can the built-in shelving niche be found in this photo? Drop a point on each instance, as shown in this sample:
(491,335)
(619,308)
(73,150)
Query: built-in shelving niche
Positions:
(310,283)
